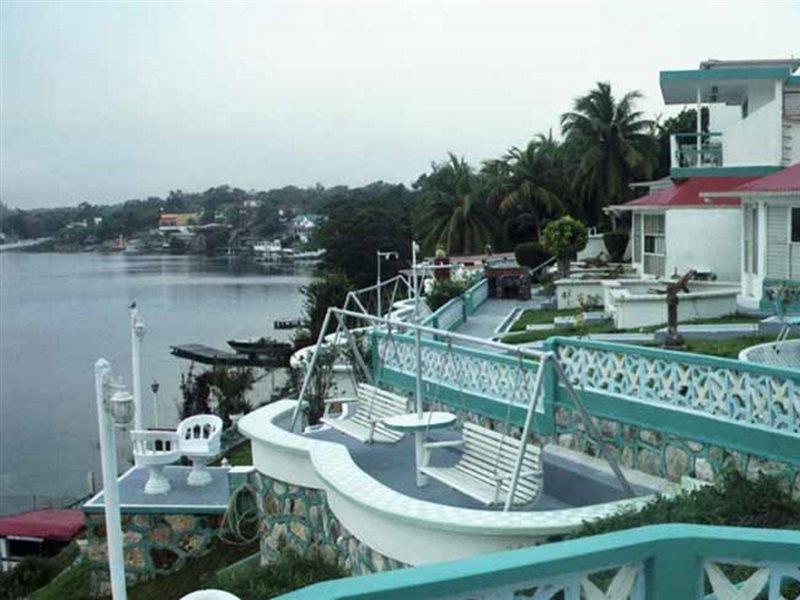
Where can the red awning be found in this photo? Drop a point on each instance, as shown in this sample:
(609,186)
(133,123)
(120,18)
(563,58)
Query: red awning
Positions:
(58,524)
(687,193)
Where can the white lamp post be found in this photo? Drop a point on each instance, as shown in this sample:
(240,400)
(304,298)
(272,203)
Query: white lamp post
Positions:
(385,256)
(114,407)
(154,388)
(137,334)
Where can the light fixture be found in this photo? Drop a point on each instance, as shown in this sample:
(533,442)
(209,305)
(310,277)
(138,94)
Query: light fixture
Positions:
(120,407)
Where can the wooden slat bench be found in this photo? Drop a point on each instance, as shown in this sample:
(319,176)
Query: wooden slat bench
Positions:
(372,404)
(486,465)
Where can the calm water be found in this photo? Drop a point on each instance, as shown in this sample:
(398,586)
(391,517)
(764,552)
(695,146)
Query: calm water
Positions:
(60,313)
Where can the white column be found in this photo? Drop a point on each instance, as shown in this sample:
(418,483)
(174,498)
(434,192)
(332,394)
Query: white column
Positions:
(108,457)
(137,333)
(699,126)
(378,289)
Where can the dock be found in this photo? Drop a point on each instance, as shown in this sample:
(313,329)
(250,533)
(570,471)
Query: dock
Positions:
(212,356)
(287,323)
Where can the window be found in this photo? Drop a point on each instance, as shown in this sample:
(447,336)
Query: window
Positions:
(655,245)
(794,233)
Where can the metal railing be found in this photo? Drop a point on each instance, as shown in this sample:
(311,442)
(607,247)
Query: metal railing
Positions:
(687,152)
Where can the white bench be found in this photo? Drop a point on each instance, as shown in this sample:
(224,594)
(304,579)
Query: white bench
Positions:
(199,440)
(372,404)
(486,466)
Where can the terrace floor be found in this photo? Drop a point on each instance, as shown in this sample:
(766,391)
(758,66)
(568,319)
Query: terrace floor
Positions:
(212,498)
(567,484)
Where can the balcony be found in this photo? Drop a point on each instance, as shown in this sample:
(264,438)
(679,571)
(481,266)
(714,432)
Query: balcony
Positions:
(687,151)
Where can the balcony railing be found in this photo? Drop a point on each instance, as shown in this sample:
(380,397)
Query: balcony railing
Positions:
(686,152)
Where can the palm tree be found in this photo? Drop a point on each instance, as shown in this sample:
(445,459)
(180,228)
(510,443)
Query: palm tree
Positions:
(614,143)
(533,183)
(454,213)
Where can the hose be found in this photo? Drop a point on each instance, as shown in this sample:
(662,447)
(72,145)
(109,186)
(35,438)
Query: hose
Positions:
(240,517)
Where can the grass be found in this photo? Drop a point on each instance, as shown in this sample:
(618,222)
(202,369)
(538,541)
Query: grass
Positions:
(290,572)
(72,582)
(728,348)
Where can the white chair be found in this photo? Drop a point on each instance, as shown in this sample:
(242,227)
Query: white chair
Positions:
(153,450)
(199,440)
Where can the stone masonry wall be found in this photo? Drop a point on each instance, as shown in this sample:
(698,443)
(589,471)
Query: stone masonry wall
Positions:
(154,545)
(666,455)
(300,518)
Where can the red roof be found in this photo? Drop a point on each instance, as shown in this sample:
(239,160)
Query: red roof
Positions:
(687,193)
(59,524)
(787,180)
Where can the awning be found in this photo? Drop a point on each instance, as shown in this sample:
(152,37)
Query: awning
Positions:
(57,524)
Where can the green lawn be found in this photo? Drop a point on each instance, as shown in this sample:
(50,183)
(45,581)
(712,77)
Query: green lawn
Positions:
(727,348)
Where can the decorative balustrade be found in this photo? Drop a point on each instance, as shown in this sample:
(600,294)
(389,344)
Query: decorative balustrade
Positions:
(728,389)
(450,370)
(477,295)
(661,562)
(686,152)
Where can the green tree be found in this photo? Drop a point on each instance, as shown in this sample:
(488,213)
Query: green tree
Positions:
(454,214)
(684,122)
(534,182)
(615,144)
(563,238)
(355,224)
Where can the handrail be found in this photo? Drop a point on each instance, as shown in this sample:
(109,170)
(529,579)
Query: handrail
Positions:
(543,265)
(667,560)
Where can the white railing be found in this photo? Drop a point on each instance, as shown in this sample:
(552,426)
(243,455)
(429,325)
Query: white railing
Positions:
(724,388)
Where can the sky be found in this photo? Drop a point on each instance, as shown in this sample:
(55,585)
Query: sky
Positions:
(103,102)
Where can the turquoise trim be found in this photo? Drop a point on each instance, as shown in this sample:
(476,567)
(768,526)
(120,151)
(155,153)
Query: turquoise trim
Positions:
(694,134)
(672,555)
(792,307)
(755,171)
(781,73)
(794,80)
(166,509)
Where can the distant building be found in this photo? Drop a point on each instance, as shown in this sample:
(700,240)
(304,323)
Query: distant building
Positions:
(177,222)
(304,225)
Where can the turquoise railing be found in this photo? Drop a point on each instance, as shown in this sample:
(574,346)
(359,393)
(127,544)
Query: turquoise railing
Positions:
(467,379)
(456,311)
(738,406)
(660,562)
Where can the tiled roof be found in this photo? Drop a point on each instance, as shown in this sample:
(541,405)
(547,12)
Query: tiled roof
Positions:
(688,193)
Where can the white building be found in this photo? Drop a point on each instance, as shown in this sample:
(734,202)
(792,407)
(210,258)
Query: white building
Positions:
(769,219)
(754,130)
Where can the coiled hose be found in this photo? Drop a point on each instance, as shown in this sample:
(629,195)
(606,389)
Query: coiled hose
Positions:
(239,525)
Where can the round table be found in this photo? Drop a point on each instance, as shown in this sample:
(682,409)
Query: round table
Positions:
(418,424)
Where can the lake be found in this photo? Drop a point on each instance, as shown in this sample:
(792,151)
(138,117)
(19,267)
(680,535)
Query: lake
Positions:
(59,313)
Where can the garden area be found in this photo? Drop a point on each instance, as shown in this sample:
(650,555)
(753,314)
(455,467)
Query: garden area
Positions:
(726,348)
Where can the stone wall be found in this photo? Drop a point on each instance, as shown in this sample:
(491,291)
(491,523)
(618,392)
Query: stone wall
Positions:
(301,519)
(154,545)
(666,455)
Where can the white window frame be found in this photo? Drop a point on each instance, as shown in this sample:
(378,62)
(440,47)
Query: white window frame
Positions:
(662,235)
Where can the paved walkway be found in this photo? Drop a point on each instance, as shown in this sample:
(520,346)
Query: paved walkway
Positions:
(490,315)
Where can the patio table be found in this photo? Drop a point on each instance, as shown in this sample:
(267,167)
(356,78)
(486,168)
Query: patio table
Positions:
(419,424)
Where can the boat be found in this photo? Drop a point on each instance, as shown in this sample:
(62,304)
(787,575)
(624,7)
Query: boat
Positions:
(261,347)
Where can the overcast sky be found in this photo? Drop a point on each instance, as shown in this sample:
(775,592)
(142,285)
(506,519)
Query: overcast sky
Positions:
(106,102)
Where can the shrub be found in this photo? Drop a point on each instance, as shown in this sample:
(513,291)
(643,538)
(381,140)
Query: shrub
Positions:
(229,384)
(443,291)
(735,501)
(563,238)
(531,254)
(616,243)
